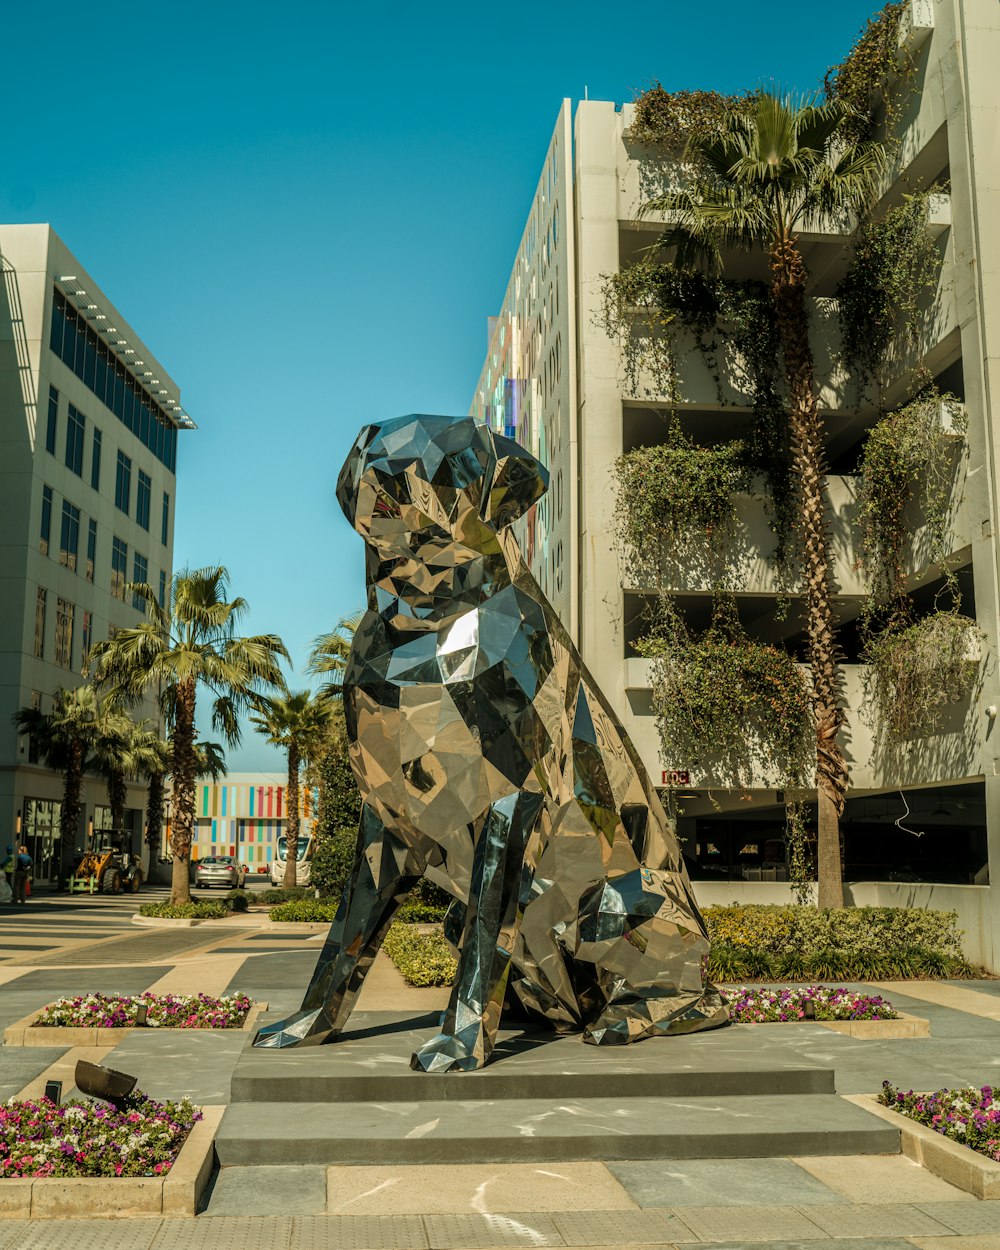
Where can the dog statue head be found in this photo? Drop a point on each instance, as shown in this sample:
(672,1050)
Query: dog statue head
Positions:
(420,481)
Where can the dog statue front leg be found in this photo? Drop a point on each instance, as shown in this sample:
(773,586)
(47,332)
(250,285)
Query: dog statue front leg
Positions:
(502,871)
(383,873)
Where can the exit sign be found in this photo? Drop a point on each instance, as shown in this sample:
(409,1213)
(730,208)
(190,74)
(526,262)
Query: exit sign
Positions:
(675,777)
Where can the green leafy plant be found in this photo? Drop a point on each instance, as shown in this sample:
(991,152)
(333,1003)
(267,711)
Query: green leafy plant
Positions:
(422,958)
(333,857)
(915,671)
(871,78)
(725,701)
(186,911)
(305,910)
(278,894)
(670,118)
(907,456)
(895,264)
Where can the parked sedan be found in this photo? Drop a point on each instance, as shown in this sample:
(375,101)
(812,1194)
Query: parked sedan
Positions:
(222,870)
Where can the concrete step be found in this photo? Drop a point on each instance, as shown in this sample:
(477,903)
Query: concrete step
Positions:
(371,1064)
(549,1129)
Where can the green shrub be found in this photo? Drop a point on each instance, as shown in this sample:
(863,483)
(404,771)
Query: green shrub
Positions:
(851,943)
(312,910)
(417,911)
(186,911)
(422,958)
(333,858)
(278,894)
(236,900)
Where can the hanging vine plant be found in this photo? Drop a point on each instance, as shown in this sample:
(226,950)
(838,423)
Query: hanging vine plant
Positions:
(647,306)
(872,78)
(729,704)
(895,263)
(908,455)
(673,498)
(671,118)
(915,671)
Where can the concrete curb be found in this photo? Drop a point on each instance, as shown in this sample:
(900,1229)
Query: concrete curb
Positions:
(24,1033)
(176,1194)
(958,1165)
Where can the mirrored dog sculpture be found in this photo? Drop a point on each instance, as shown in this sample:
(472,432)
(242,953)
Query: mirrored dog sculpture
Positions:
(490,763)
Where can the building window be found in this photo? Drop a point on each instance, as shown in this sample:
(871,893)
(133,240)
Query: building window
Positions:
(143,495)
(34,702)
(40,624)
(140,573)
(163,590)
(50,433)
(95,460)
(165,526)
(119,568)
(77,345)
(123,483)
(64,633)
(45,535)
(86,638)
(69,538)
(91,548)
(75,423)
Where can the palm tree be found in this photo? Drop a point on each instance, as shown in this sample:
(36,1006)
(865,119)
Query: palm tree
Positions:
(122,749)
(191,639)
(64,739)
(754,183)
(211,762)
(296,722)
(329,654)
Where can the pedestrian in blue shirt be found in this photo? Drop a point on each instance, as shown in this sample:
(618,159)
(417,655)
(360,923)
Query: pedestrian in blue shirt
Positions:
(22,874)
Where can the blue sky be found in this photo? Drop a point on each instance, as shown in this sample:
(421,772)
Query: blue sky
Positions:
(309,211)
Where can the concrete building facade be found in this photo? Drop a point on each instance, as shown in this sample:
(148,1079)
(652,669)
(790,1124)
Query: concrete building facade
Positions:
(88,457)
(922,824)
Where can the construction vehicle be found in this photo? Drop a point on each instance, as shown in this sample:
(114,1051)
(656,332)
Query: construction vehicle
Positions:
(107,869)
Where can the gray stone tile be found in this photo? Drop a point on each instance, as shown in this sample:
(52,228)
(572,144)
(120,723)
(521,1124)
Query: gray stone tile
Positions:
(719,1182)
(478,1232)
(838,1243)
(620,1228)
(877,1219)
(966,1218)
(267,1190)
(130,1234)
(173,1062)
(10,1230)
(750,1224)
(359,1232)
(19,1065)
(220,1233)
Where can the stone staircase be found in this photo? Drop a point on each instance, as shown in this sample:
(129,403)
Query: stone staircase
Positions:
(720,1095)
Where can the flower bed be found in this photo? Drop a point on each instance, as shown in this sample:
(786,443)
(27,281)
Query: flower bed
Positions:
(753,1005)
(41,1139)
(969,1116)
(164,1011)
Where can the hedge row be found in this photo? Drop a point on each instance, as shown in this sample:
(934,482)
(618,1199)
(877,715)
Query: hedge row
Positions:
(216,909)
(323,910)
(422,958)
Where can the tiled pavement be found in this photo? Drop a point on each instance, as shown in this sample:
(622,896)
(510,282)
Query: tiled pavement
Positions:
(880,1203)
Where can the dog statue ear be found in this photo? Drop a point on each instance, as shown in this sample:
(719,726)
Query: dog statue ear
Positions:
(349,480)
(514,481)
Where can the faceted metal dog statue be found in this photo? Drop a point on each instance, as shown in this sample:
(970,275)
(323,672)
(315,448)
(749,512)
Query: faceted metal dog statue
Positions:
(489,762)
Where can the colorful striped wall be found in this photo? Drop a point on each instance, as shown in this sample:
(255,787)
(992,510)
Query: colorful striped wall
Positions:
(246,818)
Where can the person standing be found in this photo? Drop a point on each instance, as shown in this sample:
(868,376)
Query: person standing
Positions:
(8,864)
(22,873)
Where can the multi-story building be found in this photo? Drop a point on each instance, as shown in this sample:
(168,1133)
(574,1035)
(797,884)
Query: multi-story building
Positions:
(88,431)
(244,814)
(556,380)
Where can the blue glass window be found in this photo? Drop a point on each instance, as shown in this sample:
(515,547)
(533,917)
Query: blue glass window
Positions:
(165,527)
(91,549)
(75,423)
(46,530)
(123,483)
(140,573)
(119,567)
(143,495)
(50,432)
(95,460)
(69,539)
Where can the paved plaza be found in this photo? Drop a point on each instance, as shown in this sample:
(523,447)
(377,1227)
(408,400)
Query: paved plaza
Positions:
(818,1199)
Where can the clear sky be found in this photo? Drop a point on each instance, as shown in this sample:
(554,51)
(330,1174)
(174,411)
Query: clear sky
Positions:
(308,211)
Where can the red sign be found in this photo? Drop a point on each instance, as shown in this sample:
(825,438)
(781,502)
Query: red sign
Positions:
(675,777)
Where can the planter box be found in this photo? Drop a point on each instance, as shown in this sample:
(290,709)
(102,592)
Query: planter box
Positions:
(24,1033)
(958,1165)
(864,1030)
(176,1194)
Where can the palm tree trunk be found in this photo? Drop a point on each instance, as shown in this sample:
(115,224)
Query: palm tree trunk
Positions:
(69,813)
(185,765)
(117,800)
(788,284)
(292,818)
(154,817)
